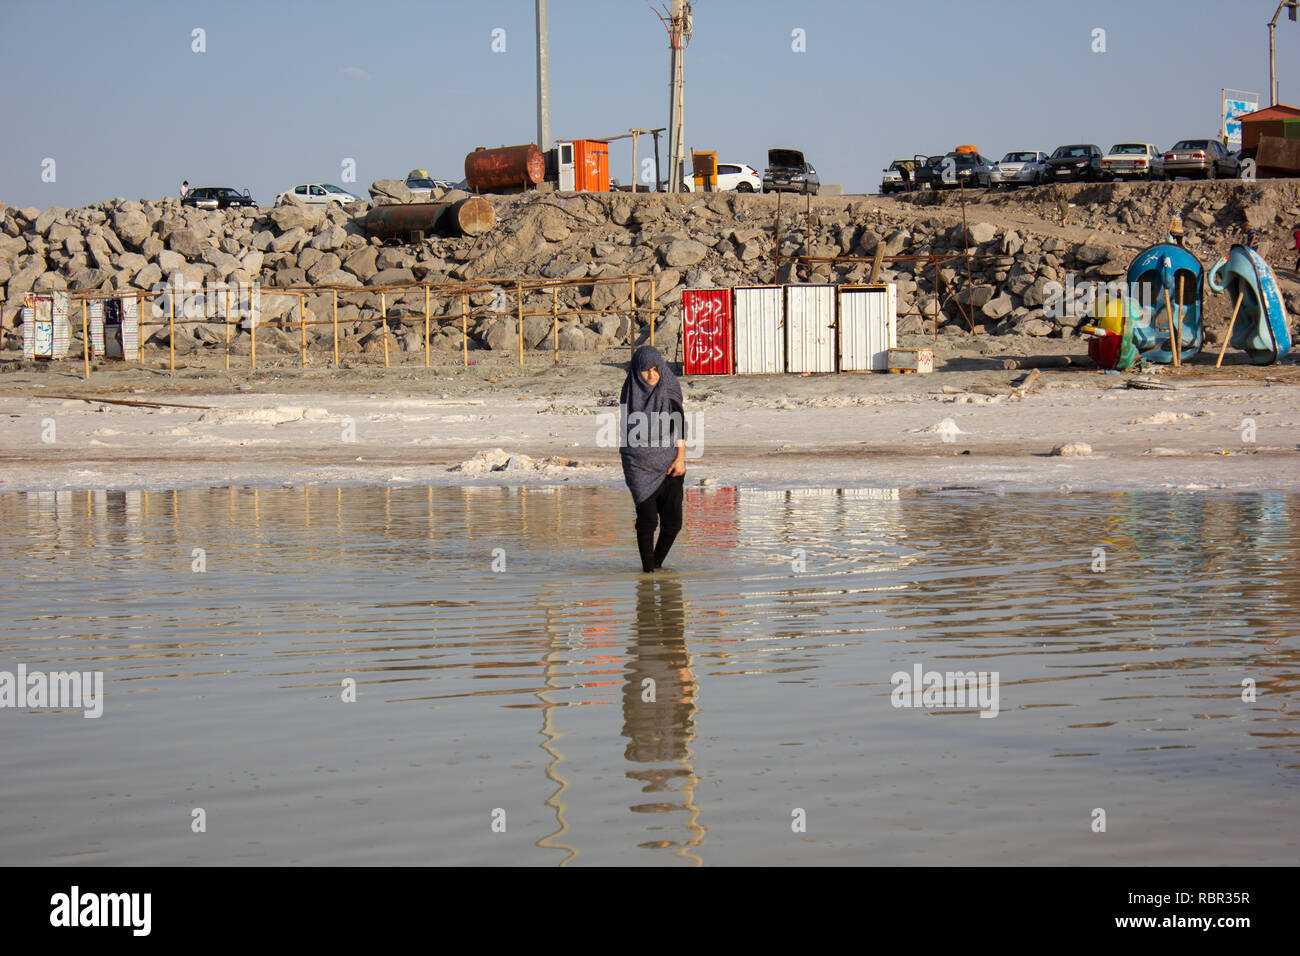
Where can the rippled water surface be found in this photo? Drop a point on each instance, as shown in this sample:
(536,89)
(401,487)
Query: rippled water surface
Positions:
(524,695)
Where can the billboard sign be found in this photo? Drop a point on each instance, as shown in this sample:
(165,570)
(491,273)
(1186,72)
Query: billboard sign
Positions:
(1235,103)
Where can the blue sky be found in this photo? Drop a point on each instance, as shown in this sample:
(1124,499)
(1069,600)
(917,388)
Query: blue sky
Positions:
(286,91)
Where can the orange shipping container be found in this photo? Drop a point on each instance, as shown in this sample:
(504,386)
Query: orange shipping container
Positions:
(591,165)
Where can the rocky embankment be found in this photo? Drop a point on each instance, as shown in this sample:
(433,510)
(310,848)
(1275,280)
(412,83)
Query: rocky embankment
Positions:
(1024,242)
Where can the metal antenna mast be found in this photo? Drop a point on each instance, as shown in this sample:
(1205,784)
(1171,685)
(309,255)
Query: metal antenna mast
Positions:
(543,81)
(1291,6)
(679,25)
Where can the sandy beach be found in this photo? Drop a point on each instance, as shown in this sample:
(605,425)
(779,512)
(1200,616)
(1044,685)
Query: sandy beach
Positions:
(967,424)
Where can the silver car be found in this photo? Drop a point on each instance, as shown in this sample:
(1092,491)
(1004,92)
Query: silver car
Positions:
(1017,168)
(1200,159)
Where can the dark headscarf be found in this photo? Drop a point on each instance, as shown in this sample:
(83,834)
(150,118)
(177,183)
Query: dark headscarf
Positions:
(646,464)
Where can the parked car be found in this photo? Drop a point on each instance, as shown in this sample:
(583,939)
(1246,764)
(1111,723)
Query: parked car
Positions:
(319,194)
(788,171)
(1017,168)
(927,172)
(898,177)
(1200,159)
(216,197)
(1080,162)
(422,185)
(953,170)
(732,177)
(1132,161)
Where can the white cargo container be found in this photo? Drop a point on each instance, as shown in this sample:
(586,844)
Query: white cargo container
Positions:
(810,328)
(759,316)
(868,326)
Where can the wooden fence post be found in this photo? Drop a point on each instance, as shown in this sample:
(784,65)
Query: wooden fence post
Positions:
(519,308)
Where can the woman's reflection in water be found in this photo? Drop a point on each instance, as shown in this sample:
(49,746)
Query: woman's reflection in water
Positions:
(659,709)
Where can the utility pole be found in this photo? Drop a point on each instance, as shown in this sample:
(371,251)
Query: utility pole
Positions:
(679,27)
(1291,7)
(543,81)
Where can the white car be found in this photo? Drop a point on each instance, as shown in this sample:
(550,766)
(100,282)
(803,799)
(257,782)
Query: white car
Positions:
(318,194)
(732,177)
(1136,160)
(1017,168)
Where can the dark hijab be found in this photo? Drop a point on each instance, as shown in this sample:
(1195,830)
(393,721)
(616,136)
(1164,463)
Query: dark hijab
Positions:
(645,411)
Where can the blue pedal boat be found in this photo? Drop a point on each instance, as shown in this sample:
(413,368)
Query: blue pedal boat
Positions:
(1262,329)
(1166,273)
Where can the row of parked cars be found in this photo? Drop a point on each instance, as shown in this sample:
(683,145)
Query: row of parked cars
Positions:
(418,182)
(1077,162)
(788,170)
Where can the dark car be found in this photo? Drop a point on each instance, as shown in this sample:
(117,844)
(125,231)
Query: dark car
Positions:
(953,170)
(216,197)
(927,172)
(1073,164)
(788,171)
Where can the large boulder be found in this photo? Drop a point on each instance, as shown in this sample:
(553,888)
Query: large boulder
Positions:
(289,240)
(1092,255)
(327,240)
(577,339)
(294,216)
(100,254)
(391,277)
(537,332)
(337,278)
(362,263)
(186,242)
(979,233)
(1035,327)
(11,247)
(169,261)
(998,307)
(682,252)
(499,333)
(50,282)
(325,265)
(131,227)
(392,189)
(552,225)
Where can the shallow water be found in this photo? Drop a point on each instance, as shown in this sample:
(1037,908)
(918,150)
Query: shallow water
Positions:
(511,684)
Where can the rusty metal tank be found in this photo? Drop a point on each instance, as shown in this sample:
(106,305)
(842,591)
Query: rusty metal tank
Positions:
(472,216)
(505,169)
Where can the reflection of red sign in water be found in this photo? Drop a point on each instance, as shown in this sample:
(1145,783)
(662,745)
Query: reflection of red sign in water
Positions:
(706,331)
(711,517)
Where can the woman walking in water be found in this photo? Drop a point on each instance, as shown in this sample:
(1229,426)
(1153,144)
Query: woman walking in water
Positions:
(652,445)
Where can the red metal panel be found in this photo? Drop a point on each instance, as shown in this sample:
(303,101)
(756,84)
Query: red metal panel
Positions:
(706,332)
(591,165)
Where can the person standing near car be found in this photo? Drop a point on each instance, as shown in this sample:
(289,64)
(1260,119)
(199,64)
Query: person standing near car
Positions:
(185,187)
(652,447)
